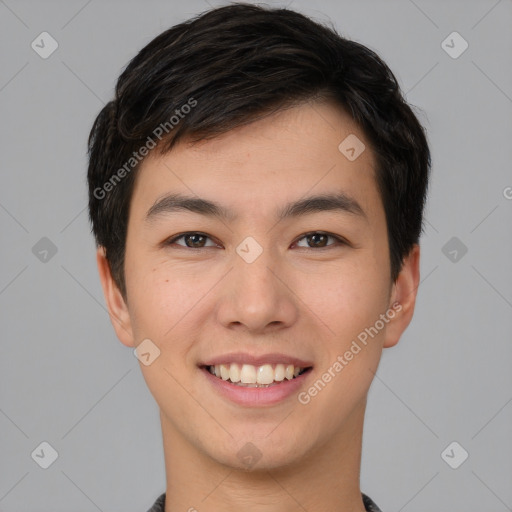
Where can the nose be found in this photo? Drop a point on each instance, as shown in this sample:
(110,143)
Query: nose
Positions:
(258,296)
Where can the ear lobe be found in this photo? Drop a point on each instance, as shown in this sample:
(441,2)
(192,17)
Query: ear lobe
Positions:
(404,296)
(117,309)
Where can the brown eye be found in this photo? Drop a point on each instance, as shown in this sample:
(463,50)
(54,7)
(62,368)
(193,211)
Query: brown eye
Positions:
(192,240)
(318,239)
(195,240)
(314,240)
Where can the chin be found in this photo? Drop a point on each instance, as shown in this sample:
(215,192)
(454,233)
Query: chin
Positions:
(259,452)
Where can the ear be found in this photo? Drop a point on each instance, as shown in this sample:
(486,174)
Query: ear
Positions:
(117,308)
(403,295)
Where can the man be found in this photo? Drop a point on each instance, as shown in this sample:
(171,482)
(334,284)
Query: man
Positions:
(256,191)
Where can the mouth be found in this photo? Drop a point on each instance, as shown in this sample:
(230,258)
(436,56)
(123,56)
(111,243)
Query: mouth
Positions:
(251,376)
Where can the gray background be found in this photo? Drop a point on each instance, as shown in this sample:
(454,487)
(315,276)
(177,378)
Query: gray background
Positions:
(67,380)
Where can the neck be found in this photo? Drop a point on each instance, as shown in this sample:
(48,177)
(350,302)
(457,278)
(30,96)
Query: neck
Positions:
(327,478)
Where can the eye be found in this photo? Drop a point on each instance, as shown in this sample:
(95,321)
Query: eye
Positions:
(319,239)
(193,240)
(197,240)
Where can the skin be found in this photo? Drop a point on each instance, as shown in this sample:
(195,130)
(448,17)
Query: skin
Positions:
(294,298)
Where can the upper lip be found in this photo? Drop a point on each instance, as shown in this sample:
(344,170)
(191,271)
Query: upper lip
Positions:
(245,358)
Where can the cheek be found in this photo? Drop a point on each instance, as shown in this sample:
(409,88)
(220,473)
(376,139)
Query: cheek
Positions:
(348,299)
(152,298)
(350,304)
(165,302)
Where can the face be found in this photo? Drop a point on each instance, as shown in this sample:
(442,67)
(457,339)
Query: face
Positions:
(262,287)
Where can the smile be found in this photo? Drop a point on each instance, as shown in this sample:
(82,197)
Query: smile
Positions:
(248,375)
(265,385)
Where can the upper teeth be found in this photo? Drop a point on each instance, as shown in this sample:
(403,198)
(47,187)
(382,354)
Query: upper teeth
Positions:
(249,374)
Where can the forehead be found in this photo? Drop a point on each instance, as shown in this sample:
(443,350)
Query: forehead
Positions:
(261,168)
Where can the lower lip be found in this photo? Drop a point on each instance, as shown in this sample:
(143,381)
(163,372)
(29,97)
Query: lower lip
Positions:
(256,397)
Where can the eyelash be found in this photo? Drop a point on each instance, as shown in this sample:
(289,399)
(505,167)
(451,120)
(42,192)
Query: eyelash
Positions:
(339,239)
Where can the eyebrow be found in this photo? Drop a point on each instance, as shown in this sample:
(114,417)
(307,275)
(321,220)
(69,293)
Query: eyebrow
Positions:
(337,202)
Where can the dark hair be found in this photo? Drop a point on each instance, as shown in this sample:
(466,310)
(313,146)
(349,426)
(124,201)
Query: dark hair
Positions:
(231,66)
